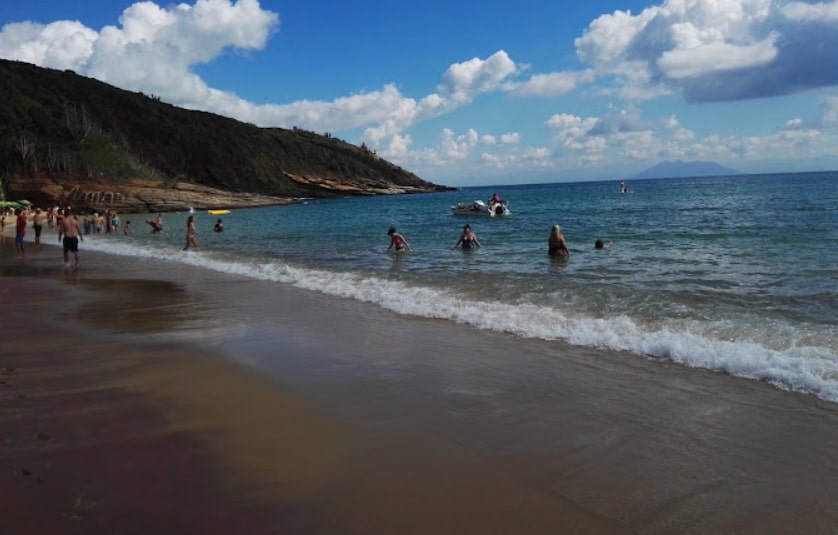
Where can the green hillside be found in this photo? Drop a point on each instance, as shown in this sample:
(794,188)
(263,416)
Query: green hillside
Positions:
(68,126)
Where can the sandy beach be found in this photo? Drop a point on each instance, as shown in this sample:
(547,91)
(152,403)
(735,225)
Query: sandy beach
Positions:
(144,398)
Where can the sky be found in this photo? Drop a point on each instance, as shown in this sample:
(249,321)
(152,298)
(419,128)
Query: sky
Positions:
(468,93)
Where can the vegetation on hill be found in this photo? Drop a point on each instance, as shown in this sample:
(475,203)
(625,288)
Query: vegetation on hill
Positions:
(70,127)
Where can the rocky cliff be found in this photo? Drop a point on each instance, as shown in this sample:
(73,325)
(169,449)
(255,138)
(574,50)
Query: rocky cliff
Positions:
(132,196)
(146,196)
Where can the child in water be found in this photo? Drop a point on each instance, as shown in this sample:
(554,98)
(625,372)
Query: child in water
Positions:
(397,241)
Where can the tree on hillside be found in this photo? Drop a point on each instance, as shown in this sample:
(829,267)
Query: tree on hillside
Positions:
(26,147)
(78,121)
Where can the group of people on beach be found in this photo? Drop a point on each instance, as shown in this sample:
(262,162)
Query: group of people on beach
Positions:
(556,243)
(69,230)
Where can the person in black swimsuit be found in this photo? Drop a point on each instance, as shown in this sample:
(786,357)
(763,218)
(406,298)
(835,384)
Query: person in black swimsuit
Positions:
(468,239)
(556,244)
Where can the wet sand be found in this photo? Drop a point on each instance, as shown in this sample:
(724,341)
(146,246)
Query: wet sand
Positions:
(142,398)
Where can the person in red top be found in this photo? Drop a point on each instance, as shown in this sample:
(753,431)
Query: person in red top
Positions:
(20,231)
(397,241)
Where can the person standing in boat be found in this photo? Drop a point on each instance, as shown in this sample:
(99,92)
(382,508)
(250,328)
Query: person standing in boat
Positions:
(468,240)
(397,241)
(556,244)
(494,201)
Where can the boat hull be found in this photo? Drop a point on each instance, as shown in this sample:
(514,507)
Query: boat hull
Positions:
(480,208)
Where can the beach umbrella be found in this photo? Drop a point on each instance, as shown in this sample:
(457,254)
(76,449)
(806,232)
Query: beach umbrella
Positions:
(24,202)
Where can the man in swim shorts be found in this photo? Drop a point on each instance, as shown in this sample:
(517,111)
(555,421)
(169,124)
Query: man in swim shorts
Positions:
(72,235)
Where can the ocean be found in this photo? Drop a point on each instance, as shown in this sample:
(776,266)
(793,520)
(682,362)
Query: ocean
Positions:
(732,274)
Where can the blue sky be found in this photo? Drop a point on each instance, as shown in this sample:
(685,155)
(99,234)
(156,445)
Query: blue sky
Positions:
(473,93)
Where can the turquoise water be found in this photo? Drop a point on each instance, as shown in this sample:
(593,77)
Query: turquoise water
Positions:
(735,274)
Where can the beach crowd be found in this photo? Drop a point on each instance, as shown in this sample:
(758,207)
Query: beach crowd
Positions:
(71,229)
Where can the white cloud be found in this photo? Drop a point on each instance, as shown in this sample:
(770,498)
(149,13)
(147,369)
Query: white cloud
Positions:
(821,11)
(794,123)
(399,146)
(576,134)
(716,56)
(456,147)
(682,134)
(608,38)
(625,135)
(464,81)
(59,45)
(511,138)
(715,50)
(553,84)
(829,112)
(498,161)
(540,157)
(565,123)
(153,49)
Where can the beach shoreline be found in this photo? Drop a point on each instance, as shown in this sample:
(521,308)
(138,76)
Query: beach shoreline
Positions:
(247,414)
(109,434)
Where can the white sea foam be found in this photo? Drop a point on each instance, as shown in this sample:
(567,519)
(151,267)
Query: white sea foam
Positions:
(802,368)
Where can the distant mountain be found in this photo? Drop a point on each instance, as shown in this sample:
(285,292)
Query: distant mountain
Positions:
(681,168)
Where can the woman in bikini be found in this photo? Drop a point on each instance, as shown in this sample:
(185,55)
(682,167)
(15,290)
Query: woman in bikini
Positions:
(397,241)
(191,233)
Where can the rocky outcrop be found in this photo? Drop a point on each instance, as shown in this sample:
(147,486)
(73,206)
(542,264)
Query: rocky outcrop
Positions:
(339,187)
(133,196)
(147,196)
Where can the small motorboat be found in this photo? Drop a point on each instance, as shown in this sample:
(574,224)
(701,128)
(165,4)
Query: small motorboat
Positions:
(491,209)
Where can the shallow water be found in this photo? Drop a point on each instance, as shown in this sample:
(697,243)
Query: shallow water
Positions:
(734,274)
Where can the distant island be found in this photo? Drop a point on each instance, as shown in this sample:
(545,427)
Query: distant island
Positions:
(679,168)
